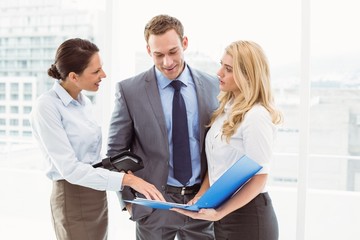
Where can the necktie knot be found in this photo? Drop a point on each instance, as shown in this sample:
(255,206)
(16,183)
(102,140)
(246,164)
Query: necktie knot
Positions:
(176,84)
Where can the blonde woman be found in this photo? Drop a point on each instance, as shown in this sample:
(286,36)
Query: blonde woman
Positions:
(244,124)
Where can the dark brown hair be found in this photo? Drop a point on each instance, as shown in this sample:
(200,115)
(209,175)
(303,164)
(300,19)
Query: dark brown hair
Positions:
(160,24)
(73,55)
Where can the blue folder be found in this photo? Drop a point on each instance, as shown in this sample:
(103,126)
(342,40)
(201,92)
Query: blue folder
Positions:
(232,180)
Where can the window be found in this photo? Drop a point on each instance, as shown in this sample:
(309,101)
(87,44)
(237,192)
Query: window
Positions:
(26,123)
(22,64)
(14,87)
(27,97)
(27,109)
(14,109)
(14,96)
(14,133)
(14,122)
(27,133)
(2,87)
(27,88)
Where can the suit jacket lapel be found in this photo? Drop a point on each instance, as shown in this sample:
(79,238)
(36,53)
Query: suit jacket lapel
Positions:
(153,95)
(200,92)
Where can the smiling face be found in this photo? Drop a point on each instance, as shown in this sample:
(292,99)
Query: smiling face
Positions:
(167,52)
(90,78)
(226,75)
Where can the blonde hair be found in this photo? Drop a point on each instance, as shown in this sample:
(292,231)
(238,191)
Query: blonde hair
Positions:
(252,77)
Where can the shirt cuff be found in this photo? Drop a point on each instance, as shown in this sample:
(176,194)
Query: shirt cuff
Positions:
(115,181)
(121,201)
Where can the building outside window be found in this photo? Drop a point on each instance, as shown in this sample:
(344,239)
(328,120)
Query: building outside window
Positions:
(14,109)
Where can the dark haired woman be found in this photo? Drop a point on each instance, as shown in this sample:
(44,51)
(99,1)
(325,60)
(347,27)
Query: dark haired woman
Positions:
(70,140)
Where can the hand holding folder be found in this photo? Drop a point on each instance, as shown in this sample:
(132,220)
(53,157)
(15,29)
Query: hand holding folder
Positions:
(233,179)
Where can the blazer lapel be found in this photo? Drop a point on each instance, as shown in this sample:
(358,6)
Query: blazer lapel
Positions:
(153,95)
(200,92)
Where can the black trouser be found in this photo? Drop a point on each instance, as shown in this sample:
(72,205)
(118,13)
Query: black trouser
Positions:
(255,221)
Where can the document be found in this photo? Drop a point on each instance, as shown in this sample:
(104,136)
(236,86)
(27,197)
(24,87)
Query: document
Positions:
(223,189)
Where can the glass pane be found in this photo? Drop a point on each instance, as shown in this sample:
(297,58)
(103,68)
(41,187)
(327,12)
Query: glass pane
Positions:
(334,163)
(335,96)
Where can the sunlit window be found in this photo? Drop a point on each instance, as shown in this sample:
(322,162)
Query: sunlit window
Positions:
(30,32)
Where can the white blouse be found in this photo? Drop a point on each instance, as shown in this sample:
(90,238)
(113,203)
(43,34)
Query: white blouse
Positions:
(70,140)
(253,138)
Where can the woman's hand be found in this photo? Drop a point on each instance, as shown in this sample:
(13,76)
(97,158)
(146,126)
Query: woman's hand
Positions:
(209,214)
(143,187)
(194,200)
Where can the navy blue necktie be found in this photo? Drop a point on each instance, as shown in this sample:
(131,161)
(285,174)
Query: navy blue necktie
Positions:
(180,137)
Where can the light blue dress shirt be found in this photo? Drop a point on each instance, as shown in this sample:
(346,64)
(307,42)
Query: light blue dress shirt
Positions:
(70,140)
(188,92)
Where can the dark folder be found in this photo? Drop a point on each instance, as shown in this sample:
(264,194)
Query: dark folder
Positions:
(123,161)
(232,180)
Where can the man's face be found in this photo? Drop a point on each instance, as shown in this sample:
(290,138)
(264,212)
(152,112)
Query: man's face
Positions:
(167,52)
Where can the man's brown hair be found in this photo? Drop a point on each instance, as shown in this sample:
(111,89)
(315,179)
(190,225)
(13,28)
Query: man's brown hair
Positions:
(160,24)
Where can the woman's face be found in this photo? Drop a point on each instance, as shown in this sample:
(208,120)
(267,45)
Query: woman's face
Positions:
(226,76)
(90,78)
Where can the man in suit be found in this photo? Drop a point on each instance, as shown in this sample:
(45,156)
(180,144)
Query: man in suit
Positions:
(142,122)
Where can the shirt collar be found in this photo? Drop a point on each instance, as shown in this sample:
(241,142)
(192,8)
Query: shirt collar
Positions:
(65,96)
(164,81)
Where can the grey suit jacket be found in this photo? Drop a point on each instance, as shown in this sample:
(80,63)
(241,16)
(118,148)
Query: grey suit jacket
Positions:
(138,125)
